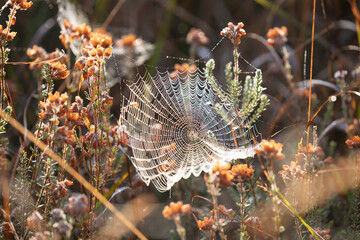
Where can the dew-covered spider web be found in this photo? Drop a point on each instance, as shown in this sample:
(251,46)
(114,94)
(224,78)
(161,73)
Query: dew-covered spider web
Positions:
(179,125)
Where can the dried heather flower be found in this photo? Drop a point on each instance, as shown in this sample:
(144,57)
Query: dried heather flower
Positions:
(242,172)
(64,135)
(74,114)
(292,172)
(62,229)
(196,37)
(182,70)
(220,173)
(271,150)
(105,99)
(234,33)
(119,135)
(354,142)
(58,70)
(324,233)
(207,224)
(277,36)
(57,214)
(5,35)
(54,106)
(35,220)
(22,4)
(128,40)
(37,53)
(70,33)
(77,205)
(176,210)
(61,187)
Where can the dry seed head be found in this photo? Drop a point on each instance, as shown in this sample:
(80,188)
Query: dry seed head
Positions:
(234,33)
(175,210)
(207,224)
(354,142)
(277,36)
(196,37)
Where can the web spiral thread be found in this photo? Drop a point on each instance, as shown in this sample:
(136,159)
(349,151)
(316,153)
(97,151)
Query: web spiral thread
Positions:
(178,125)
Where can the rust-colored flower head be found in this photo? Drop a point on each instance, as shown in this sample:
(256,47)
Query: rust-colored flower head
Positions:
(61,188)
(105,99)
(36,52)
(128,40)
(271,150)
(234,32)
(54,106)
(176,210)
(58,70)
(196,37)
(207,224)
(35,220)
(22,4)
(74,114)
(292,172)
(119,135)
(277,36)
(242,172)
(221,173)
(354,142)
(5,35)
(77,205)
(182,71)
(324,233)
(64,135)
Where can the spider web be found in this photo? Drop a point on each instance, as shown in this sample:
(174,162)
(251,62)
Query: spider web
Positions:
(178,125)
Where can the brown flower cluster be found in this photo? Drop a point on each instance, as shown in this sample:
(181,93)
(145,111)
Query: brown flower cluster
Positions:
(292,172)
(73,116)
(128,40)
(175,210)
(234,33)
(94,53)
(71,33)
(58,70)
(119,135)
(354,142)
(105,100)
(22,4)
(277,36)
(221,174)
(61,188)
(182,70)
(54,106)
(271,150)
(207,224)
(38,54)
(77,205)
(196,37)
(309,151)
(242,172)
(324,233)
(34,221)
(6,35)
(64,135)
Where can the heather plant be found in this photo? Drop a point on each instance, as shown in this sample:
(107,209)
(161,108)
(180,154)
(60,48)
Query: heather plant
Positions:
(254,138)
